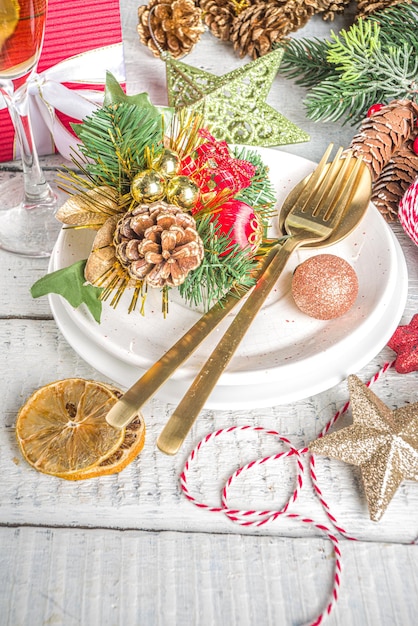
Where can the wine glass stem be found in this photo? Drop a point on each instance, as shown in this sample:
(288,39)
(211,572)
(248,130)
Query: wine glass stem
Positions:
(35,186)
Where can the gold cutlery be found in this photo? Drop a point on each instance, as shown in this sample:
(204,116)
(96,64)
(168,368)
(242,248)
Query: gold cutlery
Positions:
(314,217)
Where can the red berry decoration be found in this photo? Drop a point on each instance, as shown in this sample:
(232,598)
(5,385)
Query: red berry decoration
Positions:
(324,286)
(374,109)
(239,221)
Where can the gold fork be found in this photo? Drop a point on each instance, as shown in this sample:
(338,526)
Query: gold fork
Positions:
(124,411)
(313,218)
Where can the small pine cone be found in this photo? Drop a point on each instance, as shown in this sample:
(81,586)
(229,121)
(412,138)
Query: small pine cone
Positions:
(158,243)
(257,28)
(395,178)
(367,7)
(330,8)
(384,133)
(173,27)
(218,16)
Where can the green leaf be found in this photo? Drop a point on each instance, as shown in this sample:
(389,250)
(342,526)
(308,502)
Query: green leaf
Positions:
(114,94)
(70,283)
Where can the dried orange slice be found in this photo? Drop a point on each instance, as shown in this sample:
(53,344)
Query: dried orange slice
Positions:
(9,19)
(62,431)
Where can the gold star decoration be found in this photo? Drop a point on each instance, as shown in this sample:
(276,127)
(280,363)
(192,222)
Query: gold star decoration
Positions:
(234,104)
(381,442)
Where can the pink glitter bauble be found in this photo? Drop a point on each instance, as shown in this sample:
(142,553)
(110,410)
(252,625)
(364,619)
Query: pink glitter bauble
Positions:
(408,212)
(324,286)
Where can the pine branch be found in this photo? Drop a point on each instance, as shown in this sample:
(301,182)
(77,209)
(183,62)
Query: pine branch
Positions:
(374,61)
(114,140)
(305,61)
(223,267)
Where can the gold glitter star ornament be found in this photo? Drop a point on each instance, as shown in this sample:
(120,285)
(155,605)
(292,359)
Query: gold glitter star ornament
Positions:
(234,105)
(381,442)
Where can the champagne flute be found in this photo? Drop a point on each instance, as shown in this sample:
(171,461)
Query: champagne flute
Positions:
(27,212)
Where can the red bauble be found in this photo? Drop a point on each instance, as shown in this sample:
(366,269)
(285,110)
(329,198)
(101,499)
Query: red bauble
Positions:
(415,145)
(374,109)
(239,221)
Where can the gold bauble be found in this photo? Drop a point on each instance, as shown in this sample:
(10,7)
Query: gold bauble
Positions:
(167,163)
(148,186)
(182,192)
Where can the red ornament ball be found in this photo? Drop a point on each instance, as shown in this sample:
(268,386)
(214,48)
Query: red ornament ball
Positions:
(408,212)
(239,221)
(324,286)
(374,109)
(415,145)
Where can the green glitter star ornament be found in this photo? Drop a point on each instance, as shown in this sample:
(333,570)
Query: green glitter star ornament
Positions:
(381,442)
(234,104)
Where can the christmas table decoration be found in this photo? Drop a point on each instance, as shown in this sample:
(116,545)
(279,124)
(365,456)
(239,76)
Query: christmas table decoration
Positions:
(172,206)
(234,104)
(79,46)
(381,442)
(408,207)
(404,342)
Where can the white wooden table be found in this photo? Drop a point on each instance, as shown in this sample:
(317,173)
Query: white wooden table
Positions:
(130,549)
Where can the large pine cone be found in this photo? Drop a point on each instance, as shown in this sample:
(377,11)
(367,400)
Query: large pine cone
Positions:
(257,28)
(173,27)
(385,140)
(385,132)
(219,16)
(395,178)
(158,243)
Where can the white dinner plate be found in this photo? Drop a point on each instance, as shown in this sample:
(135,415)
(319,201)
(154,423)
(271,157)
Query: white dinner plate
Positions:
(286,355)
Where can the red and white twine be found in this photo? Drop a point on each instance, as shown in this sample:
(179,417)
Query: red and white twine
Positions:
(257,518)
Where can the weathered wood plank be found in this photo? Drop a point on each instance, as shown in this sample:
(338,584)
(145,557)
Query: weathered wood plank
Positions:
(72,577)
(147,494)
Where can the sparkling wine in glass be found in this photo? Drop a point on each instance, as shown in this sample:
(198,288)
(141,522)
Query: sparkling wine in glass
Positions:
(27,212)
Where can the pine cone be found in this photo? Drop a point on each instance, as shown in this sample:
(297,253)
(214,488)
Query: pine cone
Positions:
(384,133)
(257,28)
(173,27)
(330,8)
(218,16)
(367,7)
(395,178)
(158,243)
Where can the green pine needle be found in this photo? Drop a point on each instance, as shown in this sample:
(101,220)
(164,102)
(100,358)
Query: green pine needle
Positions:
(223,267)
(373,61)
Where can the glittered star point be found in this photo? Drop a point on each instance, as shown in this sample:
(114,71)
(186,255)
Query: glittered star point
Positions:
(404,342)
(234,104)
(381,442)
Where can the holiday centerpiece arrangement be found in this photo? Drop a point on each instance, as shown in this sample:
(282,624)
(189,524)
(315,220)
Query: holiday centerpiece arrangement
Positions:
(172,206)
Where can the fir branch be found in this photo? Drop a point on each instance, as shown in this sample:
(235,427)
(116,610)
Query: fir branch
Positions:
(305,61)
(374,61)
(223,267)
(113,143)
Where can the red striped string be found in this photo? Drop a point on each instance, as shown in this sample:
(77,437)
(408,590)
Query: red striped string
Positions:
(257,518)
